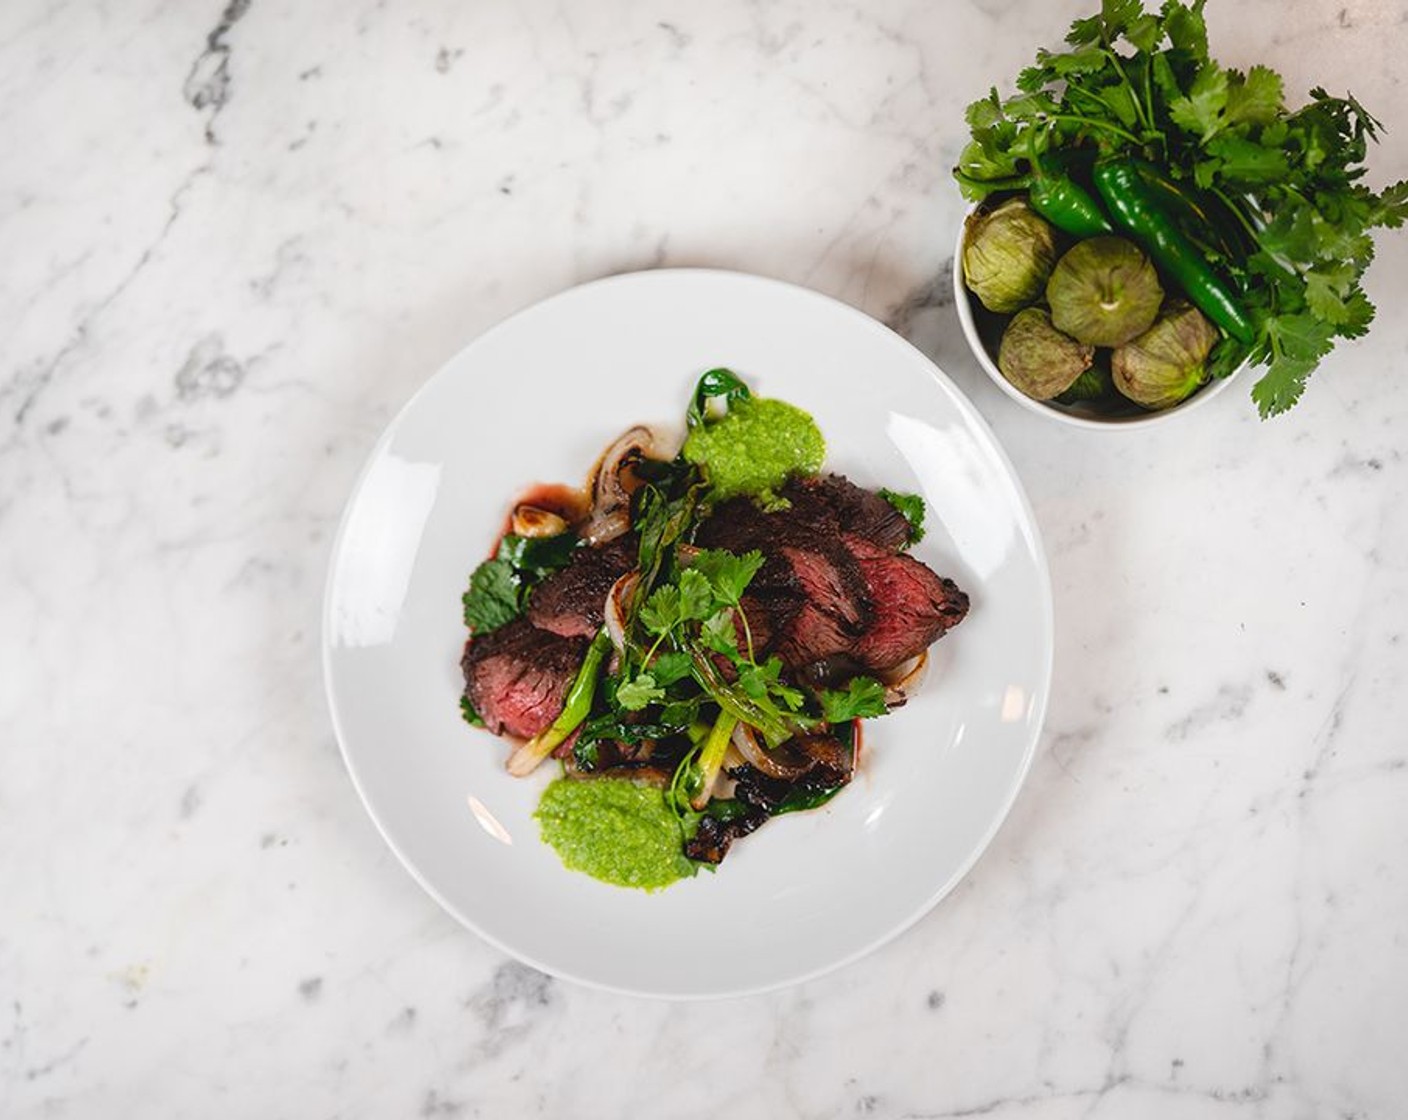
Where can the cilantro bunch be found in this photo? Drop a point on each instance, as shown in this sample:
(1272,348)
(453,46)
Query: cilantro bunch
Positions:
(1271,197)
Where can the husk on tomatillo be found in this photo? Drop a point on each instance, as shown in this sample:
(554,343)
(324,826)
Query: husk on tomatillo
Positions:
(1167,363)
(1037,358)
(1104,291)
(1008,254)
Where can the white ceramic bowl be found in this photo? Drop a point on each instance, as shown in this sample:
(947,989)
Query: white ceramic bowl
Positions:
(980,328)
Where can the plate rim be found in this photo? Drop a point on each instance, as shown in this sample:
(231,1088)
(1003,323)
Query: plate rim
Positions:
(970,414)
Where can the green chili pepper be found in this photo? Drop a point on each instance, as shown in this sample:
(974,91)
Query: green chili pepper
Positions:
(1134,207)
(1060,199)
(1204,219)
(1067,205)
(575,708)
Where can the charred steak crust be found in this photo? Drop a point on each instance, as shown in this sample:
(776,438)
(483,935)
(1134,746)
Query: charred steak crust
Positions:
(517,676)
(572,602)
(834,500)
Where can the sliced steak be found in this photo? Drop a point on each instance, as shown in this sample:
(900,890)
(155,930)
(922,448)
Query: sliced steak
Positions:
(737,525)
(835,610)
(809,589)
(572,602)
(834,500)
(912,606)
(517,676)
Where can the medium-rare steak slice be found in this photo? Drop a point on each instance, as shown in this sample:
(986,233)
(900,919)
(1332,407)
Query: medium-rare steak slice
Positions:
(835,610)
(517,676)
(912,607)
(572,602)
(833,500)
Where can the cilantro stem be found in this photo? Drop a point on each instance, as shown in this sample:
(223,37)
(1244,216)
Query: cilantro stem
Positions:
(650,655)
(1149,103)
(1237,213)
(747,632)
(1076,118)
(1133,93)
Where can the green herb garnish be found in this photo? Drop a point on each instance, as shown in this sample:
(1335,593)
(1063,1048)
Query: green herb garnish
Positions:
(911,508)
(862,697)
(494,598)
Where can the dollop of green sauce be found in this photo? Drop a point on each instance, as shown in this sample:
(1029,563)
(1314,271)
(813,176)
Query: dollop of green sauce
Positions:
(613,830)
(755,447)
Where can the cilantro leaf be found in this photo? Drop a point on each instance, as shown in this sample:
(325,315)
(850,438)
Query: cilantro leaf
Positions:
(862,697)
(727,575)
(670,667)
(1390,208)
(661,613)
(471,717)
(1244,161)
(696,596)
(1298,342)
(753,680)
(985,112)
(1359,313)
(1200,111)
(1085,31)
(1254,99)
(1326,293)
(719,635)
(1087,60)
(1281,386)
(911,507)
(494,597)
(633,695)
(1144,32)
(1117,15)
(765,681)
(1226,356)
(1185,27)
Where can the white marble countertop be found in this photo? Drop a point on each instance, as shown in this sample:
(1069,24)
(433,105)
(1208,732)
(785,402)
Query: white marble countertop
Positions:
(233,243)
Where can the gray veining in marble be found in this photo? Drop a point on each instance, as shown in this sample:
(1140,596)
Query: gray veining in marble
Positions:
(236,238)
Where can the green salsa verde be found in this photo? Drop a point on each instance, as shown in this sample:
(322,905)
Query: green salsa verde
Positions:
(755,447)
(615,831)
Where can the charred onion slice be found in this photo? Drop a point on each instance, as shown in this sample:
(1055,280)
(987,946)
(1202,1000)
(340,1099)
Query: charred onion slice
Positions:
(610,515)
(782,763)
(617,604)
(900,681)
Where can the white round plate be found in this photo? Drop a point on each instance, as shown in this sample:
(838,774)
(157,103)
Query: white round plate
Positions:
(536,399)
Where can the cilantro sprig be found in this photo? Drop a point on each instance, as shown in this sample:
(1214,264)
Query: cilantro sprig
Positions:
(696,616)
(1282,187)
